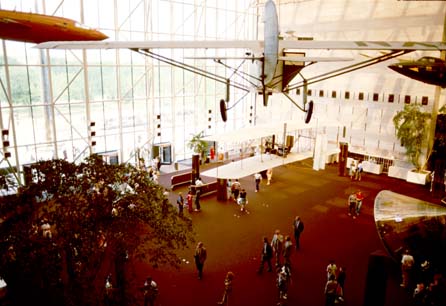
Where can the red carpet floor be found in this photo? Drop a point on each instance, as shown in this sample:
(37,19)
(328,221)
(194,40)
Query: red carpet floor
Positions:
(234,240)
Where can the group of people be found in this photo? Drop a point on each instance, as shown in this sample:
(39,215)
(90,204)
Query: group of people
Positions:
(334,288)
(258,178)
(200,256)
(188,202)
(237,194)
(281,248)
(355,171)
(429,287)
(153,169)
(355,203)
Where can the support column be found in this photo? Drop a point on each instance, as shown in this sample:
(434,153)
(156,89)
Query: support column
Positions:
(195,168)
(222,193)
(343,154)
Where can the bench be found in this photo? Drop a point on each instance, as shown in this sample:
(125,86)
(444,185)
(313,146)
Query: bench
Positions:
(180,179)
(205,189)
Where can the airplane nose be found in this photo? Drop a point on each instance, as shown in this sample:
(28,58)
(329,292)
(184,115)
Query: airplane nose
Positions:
(97,35)
(101,36)
(396,67)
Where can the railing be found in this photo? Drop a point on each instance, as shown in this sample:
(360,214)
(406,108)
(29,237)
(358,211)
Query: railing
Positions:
(205,189)
(180,179)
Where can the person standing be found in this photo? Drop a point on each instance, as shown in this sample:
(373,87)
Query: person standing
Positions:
(352,171)
(352,205)
(266,255)
(277,245)
(359,198)
(258,178)
(200,257)
(330,291)
(298,227)
(228,288)
(155,164)
(158,166)
(407,263)
(359,170)
(235,188)
(180,203)
(332,269)
(197,199)
(212,153)
(228,189)
(341,281)
(150,290)
(109,291)
(189,200)
(269,175)
(198,182)
(287,251)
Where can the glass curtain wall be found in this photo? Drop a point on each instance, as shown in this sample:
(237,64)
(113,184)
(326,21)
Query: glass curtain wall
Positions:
(69,104)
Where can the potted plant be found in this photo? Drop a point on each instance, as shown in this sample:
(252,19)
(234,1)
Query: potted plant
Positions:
(412,128)
(198,145)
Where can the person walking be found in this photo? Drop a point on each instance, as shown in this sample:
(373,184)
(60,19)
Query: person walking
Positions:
(228,289)
(298,227)
(258,178)
(242,200)
(180,203)
(200,257)
(407,263)
(150,290)
(283,282)
(277,245)
(269,176)
(266,255)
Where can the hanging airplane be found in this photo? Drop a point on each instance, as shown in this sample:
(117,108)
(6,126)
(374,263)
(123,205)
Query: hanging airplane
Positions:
(430,70)
(276,59)
(37,28)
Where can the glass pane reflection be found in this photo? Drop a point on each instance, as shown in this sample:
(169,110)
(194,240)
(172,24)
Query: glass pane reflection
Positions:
(407,223)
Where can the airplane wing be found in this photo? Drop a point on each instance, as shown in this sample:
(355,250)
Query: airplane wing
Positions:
(259,131)
(249,166)
(301,59)
(257,45)
(258,163)
(178,44)
(363,45)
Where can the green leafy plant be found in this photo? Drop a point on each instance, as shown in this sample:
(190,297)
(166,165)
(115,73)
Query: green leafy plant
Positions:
(412,127)
(197,144)
(98,214)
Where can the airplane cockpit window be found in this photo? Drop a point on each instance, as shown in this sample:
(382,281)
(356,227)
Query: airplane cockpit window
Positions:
(82,26)
(428,59)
